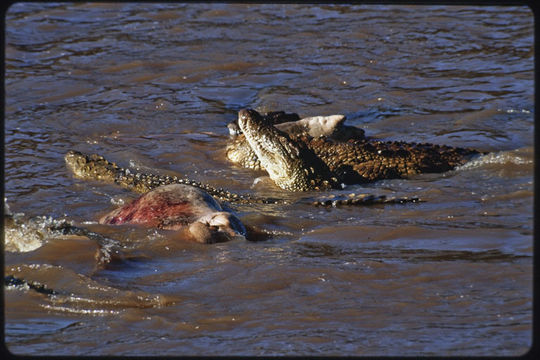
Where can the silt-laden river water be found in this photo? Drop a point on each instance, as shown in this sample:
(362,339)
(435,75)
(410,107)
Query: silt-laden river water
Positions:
(153,86)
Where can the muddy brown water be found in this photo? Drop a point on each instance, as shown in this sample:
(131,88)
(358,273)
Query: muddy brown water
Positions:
(154,85)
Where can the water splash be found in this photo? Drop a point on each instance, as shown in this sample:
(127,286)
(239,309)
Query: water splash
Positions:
(24,235)
(514,111)
(516,157)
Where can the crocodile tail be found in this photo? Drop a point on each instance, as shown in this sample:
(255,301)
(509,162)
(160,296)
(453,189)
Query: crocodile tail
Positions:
(365,200)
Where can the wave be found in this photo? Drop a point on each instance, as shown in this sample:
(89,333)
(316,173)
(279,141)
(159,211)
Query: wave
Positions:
(524,156)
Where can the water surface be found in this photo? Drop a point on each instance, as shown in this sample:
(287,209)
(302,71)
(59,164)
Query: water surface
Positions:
(154,85)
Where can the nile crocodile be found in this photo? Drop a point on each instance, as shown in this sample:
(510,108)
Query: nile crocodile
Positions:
(96,167)
(300,162)
(239,151)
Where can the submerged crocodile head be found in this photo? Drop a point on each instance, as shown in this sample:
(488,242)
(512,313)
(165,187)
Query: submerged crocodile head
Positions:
(289,164)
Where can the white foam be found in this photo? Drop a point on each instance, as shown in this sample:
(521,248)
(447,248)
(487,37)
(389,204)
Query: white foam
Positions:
(95,312)
(29,234)
(502,157)
(511,111)
(22,237)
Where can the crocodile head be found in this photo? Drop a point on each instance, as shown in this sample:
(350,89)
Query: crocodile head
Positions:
(290,164)
(93,167)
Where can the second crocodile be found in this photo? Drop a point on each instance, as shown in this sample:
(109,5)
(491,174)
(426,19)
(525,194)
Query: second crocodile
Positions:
(303,162)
